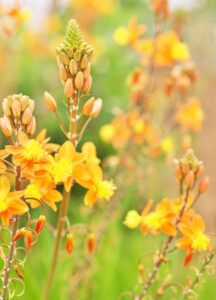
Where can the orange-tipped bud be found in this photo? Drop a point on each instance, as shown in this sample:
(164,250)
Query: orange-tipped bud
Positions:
(29,239)
(188,259)
(161,8)
(91,243)
(19,234)
(20,274)
(69,246)
(6,127)
(79,79)
(203,185)
(69,88)
(87,84)
(88,107)
(40,224)
(199,171)
(189,179)
(96,108)
(50,102)
(27,116)
(179,174)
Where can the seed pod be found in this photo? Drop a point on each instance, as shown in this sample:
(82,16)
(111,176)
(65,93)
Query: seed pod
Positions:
(96,108)
(27,116)
(64,58)
(88,106)
(16,108)
(31,127)
(84,61)
(6,126)
(69,246)
(6,108)
(203,185)
(69,88)
(40,224)
(50,102)
(63,73)
(79,80)
(87,85)
(73,67)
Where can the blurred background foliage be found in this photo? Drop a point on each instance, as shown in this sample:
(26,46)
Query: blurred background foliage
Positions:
(28,66)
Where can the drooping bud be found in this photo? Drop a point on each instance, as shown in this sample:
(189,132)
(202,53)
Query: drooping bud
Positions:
(19,234)
(18,272)
(29,239)
(40,224)
(69,246)
(50,102)
(203,185)
(91,243)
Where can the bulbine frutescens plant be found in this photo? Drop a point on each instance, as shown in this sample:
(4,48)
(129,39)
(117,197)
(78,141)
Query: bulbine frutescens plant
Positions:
(183,228)
(37,166)
(74,61)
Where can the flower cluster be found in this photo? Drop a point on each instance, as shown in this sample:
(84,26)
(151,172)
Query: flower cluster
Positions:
(176,217)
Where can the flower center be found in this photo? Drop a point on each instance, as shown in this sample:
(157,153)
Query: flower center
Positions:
(34,150)
(3,204)
(62,170)
(105,189)
(201,242)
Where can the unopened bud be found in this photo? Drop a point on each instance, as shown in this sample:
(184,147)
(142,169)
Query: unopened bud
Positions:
(69,88)
(6,108)
(64,58)
(31,127)
(88,106)
(18,272)
(16,108)
(179,174)
(73,67)
(79,80)
(27,116)
(6,126)
(96,108)
(189,179)
(19,234)
(84,61)
(87,84)
(40,224)
(91,243)
(63,73)
(29,239)
(203,185)
(69,246)
(50,102)
(87,70)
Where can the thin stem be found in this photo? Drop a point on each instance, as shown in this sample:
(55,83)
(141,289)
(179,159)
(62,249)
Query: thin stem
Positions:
(60,226)
(12,246)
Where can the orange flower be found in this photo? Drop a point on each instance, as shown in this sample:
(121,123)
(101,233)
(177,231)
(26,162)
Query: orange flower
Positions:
(162,219)
(11,203)
(32,154)
(43,190)
(194,238)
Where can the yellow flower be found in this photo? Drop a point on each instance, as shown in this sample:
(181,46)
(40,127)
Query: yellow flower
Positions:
(11,203)
(133,219)
(124,36)
(67,166)
(43,190)
(107,133)
(180,52)
(190,115)
(90,153)
(97,187)
(167,145)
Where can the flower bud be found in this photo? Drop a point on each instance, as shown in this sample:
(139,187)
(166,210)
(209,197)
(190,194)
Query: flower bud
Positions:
(189,179)
(64,58)
(16,108)
(79,80)
(31,127)
(88,106)
(19,234)
(69,88)
(50,102)
(73,67)
(6,127)
(87,70)
(63,73)
(87,84)
(40,224)
(20,274)
(96,108)
(29,239)
(6,108)
(24,103)
(91,243)
(84,61)
(27,116)
(69,246)
(203,185)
